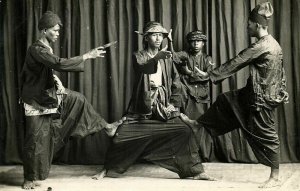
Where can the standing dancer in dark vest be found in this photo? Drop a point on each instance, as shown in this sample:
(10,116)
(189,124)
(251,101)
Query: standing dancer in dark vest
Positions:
(252,108)
(53,113)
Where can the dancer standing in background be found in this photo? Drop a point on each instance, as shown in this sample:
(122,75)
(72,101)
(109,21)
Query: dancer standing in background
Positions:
(196,87)
(196,94)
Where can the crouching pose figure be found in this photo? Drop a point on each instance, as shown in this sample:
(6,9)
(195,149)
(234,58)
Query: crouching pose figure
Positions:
(153,130)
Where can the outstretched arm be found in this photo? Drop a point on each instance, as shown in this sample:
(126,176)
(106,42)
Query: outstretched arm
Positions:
(52,61)
(243,59)
(147,65)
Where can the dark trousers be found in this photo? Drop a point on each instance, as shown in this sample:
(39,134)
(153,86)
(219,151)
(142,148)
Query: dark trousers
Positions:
(46,134)
(169,144)
(233,110)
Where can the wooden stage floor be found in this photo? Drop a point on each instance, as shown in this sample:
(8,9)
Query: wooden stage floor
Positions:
(148,177)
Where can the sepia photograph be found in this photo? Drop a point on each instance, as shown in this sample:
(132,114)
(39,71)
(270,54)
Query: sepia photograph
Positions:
(150,95)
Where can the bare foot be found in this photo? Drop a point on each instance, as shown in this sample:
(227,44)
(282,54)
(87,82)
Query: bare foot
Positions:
(193,124)
(272,182)
(111,128)
(28,184)
(187,120)
(204,176)
(100,175)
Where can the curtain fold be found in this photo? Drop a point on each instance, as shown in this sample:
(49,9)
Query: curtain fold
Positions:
(107,82)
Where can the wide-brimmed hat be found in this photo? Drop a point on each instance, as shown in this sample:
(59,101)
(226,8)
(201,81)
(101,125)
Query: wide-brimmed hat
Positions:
(153,27)
(196,35)
(262,13)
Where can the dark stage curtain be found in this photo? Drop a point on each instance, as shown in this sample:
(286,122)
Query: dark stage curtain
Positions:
(107,82)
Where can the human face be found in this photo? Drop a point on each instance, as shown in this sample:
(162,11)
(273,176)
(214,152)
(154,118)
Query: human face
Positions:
(196,45)
(252,28)
(154,40)
(52,34)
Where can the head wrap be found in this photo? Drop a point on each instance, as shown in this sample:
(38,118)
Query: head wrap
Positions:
(196,35)
(48,20)
(153,27)
(262,13)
